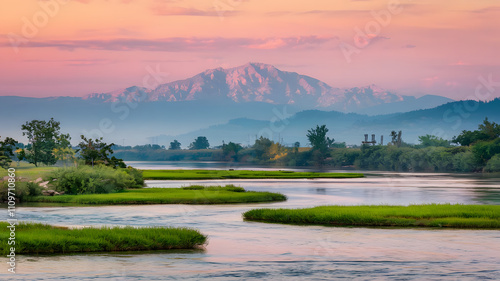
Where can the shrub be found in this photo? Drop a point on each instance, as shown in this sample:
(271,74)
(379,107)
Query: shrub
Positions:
(193,187)
(228,187)
(493,164)
(22,190)
(97,179)
(234,188)
(34,189)
(136,175)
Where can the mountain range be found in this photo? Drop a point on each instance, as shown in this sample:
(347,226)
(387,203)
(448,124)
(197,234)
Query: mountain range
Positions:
(445,121)
(239,104)
(258,82)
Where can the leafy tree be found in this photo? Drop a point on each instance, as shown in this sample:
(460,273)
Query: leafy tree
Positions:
(485,150)
(320,143)
(396,138)
(493,164)
(175,145)
(296,146)
(318,139)
(199,143)
(490,129)
(266,149)
(63,150)
(43,137)
(6,152)
(486,132)
(95,151)
(261,147)
(231,150)
(430,140)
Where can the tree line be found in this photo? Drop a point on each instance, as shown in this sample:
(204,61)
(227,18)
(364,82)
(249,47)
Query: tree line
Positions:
(470,151)
(47,145)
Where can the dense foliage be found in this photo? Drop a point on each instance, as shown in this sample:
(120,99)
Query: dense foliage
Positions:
(44,137)
(472,151)
(174,145)
(199,143)
(96,151)
(23,190)
(7,147)
(97,179)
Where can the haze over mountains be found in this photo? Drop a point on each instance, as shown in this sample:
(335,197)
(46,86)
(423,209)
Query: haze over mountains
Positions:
(258,82)
(238,104)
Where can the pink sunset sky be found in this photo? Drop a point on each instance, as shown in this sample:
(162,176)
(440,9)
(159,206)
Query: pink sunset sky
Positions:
(73,48)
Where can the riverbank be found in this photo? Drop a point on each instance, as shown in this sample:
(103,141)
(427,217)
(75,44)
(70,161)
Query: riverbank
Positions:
(239,174)
(36,238)
(228,194)
(427,215)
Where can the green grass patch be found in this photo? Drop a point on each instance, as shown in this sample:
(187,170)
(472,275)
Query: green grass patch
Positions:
(239,174)
(35,238)
(29,171)
(431,215)
(186,195)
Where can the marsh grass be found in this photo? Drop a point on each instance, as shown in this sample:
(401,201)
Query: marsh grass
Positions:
(431,215)
(36,238)
(186,195)
(239,174)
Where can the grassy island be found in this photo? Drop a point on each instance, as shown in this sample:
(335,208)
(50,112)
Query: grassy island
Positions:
(238,174)
(35,238)
(186,195)
(429,215)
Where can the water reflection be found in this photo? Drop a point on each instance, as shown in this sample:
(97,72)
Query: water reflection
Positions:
(240,250)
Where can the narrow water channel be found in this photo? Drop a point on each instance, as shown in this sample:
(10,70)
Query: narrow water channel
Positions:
(240,250)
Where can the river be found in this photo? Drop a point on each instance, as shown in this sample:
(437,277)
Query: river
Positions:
(240,250)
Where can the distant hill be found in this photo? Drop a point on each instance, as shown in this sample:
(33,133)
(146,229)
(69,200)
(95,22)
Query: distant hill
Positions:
(408,104)
(445,121)
(129,123)
(236,104)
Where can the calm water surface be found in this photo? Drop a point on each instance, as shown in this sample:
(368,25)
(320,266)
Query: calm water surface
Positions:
(240,250)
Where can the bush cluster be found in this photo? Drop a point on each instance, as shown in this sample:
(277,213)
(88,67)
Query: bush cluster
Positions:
(228,187)
(97,179)
(493,165)
(22,190)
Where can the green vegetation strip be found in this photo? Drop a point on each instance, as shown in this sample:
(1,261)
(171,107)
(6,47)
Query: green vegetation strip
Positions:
(432,215)
(186,195)
(238,174)
(35,238)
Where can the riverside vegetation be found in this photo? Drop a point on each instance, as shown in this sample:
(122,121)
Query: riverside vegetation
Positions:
(102,185)
(239,174)
(186,195)
(471,151)
(36,238)
(429,215)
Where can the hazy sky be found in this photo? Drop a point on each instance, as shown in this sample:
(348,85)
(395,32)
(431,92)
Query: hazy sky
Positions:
(72,48)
